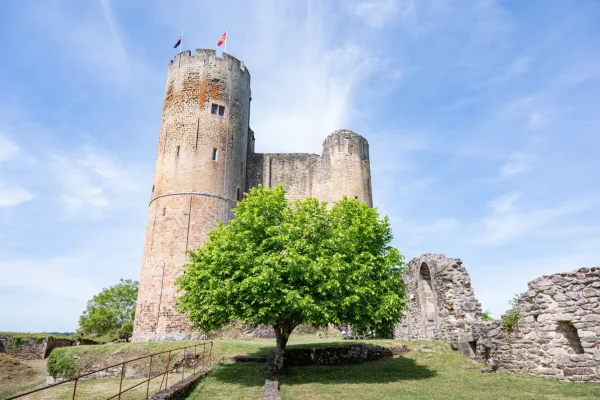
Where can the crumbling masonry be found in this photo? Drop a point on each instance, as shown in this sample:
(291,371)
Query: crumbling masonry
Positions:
(557,329)
(206,161)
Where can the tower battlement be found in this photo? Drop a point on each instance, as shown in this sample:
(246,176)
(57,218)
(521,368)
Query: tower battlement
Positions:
(206,56)
(205,162)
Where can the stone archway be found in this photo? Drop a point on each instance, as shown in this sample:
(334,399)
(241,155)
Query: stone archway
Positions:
(427,298)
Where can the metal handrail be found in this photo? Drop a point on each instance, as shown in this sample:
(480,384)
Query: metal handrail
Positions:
(165,373)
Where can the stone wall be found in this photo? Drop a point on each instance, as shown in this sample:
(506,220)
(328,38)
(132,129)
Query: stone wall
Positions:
(442,304)
(352,354)
(342,169)
(31,348)
(557,334)
(558,330)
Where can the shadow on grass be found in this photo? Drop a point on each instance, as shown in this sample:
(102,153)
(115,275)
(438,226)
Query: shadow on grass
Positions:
(386,370)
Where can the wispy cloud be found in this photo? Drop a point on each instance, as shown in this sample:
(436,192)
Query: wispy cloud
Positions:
(508,221)
(377,13)
(13,195)
(8,148)
(92,181)
(517,163)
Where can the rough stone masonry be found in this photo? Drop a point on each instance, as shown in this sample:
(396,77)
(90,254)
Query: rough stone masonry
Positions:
(205,162)
(557,321)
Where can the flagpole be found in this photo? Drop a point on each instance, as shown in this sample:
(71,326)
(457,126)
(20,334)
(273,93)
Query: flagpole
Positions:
(226,37)
(182,40)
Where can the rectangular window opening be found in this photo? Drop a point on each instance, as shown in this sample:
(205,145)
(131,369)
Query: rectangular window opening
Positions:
(214,108)
(221,110)
(214,154)
(239,194)
(178,148)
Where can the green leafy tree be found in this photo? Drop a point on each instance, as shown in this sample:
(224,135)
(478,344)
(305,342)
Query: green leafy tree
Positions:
(283,264)
(111,312)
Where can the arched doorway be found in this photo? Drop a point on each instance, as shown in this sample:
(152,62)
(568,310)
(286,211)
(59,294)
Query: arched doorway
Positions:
(427,298)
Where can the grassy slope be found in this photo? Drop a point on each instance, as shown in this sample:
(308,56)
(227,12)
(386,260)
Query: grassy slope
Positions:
(442,374)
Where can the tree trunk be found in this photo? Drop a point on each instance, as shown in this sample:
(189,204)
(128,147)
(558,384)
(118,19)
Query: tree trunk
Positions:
(282,334)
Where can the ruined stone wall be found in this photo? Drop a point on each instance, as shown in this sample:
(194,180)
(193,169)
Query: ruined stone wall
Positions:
(558,329)
(200,167)
(558,333)
(442,304)
(342,169)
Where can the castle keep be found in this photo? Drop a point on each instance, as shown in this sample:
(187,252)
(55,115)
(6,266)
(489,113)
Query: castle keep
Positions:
(206,161)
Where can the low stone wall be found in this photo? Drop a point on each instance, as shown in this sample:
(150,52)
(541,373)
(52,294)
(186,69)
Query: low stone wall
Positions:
(353,354)
(558,329)
(34,348)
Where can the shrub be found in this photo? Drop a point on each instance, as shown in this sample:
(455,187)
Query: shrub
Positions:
(61,364)
(486,316)
(510,321)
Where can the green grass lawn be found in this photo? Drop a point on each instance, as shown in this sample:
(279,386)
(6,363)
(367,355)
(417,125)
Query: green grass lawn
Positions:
(441,374)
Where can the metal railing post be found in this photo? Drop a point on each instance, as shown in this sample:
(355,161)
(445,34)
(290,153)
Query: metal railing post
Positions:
(75,388)
(210,355)
(183,365)
(195,357)
(149,374)
(121,382)
(203,354)
(168,366)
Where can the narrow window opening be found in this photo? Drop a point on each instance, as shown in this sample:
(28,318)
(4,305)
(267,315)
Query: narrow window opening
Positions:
(239,194)
(356,197)
(570,336)
(164,211)
(214,108)
(221,110)
(214,154)
(178,148)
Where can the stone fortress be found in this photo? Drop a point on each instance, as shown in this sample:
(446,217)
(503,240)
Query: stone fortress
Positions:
(206,161)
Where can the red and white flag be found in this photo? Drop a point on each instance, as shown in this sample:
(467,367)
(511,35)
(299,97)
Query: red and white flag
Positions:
(223,39)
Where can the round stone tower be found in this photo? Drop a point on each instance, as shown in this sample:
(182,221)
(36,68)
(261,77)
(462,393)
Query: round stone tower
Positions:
(199,176)
(344,168)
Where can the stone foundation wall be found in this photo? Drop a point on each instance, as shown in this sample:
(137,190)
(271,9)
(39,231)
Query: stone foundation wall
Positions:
(353,354)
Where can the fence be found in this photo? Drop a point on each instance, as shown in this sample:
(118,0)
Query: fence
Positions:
(196,358)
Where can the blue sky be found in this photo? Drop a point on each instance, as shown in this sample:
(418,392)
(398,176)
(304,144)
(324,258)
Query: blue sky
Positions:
(482,118)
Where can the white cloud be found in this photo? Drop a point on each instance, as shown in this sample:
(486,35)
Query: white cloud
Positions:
(92,181)
(508,221)
(8,148)
(517,163)
(377,13)
(13,195)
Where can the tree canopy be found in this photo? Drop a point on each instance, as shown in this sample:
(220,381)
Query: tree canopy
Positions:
(283,264)
(111,312)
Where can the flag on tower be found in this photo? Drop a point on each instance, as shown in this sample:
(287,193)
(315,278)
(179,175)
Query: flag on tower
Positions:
(178,42)
(223,39)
